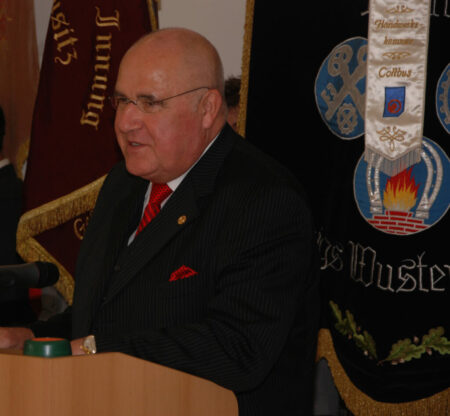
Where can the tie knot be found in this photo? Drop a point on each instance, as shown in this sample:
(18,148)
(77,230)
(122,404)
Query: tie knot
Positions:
(160,191)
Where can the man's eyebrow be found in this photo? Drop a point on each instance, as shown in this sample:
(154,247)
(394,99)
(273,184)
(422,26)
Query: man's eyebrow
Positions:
(149,97)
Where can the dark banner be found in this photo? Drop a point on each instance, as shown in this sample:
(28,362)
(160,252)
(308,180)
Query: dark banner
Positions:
(383,238)
(73,143)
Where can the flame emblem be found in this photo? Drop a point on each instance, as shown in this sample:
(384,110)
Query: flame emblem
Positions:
(411,201)
(400,193)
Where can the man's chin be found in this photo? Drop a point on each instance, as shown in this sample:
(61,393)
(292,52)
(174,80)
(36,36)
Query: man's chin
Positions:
(138,171)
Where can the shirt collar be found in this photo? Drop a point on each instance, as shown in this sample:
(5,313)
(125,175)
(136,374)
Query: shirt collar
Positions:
(4,162)
(173,185)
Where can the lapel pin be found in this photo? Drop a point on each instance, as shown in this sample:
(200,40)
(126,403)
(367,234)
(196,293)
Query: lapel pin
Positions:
(182,219)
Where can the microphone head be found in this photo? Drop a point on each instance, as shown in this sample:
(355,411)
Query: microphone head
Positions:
(36,275)
(48,274)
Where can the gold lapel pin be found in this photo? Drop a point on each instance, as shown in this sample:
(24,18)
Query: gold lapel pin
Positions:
(182,219)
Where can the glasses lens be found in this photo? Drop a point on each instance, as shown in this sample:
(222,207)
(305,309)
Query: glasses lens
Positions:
(148,106)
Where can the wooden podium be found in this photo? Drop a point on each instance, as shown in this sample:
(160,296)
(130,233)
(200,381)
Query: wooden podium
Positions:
(109,384)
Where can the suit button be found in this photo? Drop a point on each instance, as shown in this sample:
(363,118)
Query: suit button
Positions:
(117,268)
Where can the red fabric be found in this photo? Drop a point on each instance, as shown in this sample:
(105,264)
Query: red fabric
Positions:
(34,295)
(73,141)
(160,191)
(182,273)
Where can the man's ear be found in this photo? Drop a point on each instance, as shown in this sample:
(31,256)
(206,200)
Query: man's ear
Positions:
(211,105)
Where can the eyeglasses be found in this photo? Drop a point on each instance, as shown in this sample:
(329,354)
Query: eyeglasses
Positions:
(145,104)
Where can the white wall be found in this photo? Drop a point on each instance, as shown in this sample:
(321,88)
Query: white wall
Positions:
(42,15)
(221,21)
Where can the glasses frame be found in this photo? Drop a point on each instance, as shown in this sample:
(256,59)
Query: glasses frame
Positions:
(124,101)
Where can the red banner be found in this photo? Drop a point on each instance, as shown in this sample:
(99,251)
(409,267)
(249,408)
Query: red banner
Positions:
(73,143)
(19,72)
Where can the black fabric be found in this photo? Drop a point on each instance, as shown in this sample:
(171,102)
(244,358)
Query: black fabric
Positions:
(287,51)
(247,318)
(15,308)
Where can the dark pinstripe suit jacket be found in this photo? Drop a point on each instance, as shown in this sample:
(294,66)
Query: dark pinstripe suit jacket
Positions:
(247,319)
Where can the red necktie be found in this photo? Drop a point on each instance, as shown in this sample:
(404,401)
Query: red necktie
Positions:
(160,191)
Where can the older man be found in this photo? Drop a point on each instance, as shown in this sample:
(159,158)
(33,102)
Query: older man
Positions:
(199,254)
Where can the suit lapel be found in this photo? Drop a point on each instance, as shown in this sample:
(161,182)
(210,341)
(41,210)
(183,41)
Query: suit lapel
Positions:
(148,243)
(125,222)
(181,209)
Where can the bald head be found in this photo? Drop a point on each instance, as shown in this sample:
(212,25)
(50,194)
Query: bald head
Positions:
(191,54)
(175,79)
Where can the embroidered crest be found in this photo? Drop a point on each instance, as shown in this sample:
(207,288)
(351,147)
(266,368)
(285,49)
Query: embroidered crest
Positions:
(443,99)
(409,202)
(340,88)
(402,351)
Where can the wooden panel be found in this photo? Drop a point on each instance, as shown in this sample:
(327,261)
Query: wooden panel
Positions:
(106,384)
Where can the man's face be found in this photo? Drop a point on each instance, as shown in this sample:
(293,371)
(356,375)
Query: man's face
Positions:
(158,146)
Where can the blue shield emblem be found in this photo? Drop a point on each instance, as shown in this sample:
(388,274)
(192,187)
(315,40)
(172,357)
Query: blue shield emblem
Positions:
(394,101)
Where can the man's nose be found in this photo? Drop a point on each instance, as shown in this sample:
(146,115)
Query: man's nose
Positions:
(129,117)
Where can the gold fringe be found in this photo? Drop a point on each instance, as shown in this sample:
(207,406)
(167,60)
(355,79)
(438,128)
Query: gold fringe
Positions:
(33,251)
(245,68)
(362,405)
(151,13)
(48,216)
(58,211)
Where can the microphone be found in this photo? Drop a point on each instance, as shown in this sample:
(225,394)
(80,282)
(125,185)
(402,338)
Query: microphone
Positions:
(29,275)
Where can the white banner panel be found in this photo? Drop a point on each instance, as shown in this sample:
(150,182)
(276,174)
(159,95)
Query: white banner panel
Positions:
(395,90)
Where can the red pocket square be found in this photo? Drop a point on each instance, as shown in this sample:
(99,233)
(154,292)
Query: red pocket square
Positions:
(182,273)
